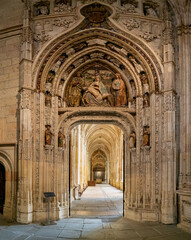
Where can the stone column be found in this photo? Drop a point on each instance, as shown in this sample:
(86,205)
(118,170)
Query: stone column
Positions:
(24,196)
(168,207)
(184,90)
(139,136)
(184,86)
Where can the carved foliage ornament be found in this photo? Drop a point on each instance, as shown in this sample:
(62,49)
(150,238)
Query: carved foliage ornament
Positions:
(25,100)
(169,101)
(131,24)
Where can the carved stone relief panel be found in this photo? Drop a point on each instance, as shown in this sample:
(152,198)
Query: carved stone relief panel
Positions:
(96,86)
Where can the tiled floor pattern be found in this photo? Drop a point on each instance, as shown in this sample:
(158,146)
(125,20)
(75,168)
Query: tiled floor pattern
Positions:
(94,226)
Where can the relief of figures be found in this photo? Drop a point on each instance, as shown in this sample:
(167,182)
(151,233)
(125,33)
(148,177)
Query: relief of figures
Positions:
(75,91)
(96,94)
(96,88)
(119,91)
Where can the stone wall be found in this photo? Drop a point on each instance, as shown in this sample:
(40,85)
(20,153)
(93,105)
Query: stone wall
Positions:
(9,86)
(11,12)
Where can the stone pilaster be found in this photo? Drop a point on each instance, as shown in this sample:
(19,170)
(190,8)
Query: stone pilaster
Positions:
(168,206)
(184,90)
(24,196)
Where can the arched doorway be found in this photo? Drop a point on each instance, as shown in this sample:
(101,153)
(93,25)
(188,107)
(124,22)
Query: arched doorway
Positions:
(96,165)
(2,188)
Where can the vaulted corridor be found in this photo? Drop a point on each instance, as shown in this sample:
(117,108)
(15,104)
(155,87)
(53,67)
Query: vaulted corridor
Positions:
(99,201)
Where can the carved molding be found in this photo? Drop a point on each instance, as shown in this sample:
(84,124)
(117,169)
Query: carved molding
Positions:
(27,35)
(169,101)
(25,99)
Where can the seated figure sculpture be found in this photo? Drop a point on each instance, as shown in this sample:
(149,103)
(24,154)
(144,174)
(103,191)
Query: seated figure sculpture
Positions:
(96,94)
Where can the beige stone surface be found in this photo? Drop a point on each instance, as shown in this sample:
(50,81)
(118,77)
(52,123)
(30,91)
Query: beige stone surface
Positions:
(42,48)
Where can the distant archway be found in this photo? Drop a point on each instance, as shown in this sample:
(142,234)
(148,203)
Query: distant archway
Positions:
(2,188)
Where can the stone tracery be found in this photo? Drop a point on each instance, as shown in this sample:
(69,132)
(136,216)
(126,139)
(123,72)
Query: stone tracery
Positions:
(106,45)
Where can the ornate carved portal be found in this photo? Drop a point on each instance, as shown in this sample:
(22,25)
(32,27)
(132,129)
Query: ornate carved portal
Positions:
(96,72)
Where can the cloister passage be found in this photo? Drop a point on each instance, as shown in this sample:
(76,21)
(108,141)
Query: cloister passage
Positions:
(96,169)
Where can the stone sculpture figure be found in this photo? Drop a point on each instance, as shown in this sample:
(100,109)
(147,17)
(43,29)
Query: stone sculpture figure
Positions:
(75,91)
(146,101)
(48,98)
(150,11)
(132,140)
(146,137)
(41,9)
(144,81)
(134,62)
(133,88)
(48,135)
(60,139)
(96,94)
(119,91)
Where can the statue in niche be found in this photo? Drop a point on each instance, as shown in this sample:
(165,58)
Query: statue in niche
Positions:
(48,135)
(49,80)
(75,91)
(133,61)
(133,88)
(60,103)
(96,94)
(60,87)
(50,76)
(150,11)
(146,136)
(41,8)
(144,81)
(61,140)
(48,98)
(119,91)
(146,101)
(132,140)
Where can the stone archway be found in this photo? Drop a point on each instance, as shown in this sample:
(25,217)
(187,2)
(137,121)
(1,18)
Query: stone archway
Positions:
(2,184)
(143,118)
(9,188)
(68,121)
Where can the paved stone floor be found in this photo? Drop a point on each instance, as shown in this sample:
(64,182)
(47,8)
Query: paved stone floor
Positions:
(108,202)
(93,226)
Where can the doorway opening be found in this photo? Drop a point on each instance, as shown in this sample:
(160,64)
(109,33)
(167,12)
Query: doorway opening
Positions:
(2,187)
(96,170)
